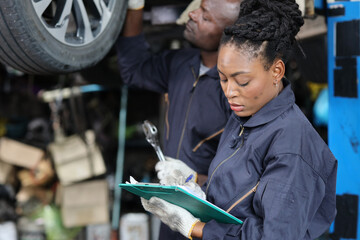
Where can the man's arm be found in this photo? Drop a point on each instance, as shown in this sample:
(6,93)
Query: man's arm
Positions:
(133,23)
(137,66)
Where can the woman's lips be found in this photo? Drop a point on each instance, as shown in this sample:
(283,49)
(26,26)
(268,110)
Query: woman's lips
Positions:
(236,107)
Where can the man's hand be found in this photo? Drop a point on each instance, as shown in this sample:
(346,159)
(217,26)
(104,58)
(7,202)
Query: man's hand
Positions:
(177,218)
(174,172)
(136,4)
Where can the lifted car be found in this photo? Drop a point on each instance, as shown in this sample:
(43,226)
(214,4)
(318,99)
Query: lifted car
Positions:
(58,36)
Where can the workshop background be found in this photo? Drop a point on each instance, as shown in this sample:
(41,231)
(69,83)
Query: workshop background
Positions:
(68,140)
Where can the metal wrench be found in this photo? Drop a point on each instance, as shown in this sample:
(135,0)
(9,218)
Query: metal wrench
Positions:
(151,136)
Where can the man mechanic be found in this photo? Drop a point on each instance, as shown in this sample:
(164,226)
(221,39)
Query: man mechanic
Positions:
(197,109)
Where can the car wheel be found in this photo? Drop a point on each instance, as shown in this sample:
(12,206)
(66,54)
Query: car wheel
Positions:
(58,36)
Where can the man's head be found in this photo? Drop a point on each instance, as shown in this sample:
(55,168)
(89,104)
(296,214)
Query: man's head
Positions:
(206,24)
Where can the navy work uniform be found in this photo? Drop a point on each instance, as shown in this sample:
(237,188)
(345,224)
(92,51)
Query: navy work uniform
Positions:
(197,109)
(275,173)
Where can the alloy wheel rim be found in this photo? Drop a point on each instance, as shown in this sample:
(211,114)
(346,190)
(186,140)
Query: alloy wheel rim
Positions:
(74,22)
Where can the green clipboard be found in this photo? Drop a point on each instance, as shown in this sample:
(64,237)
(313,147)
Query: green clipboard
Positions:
(200,208)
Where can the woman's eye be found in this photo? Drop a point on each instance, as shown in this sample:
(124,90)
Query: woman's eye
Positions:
(243,84)
(223,80)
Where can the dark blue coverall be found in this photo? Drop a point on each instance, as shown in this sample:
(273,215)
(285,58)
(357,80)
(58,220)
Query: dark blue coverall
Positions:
(197,108)
(278,176)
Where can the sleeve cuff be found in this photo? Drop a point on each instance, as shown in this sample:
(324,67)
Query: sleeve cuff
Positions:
(192,228)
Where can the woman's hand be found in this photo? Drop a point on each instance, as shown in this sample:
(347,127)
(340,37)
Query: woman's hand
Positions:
(177,218)
(174,172)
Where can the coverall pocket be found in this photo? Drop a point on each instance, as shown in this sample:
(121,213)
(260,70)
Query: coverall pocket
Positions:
(244,199)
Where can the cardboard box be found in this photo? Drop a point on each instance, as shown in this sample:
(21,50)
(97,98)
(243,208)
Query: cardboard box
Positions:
(75,160)
(85,203)
(20,154)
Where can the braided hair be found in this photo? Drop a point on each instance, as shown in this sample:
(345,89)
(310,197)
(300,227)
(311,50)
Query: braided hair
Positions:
(267,28)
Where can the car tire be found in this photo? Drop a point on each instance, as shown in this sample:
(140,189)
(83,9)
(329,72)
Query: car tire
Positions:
(56,37)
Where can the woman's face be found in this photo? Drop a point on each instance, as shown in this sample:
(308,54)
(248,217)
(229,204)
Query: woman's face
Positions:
(245,82)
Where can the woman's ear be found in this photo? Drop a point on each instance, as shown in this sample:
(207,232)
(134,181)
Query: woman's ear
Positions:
(278,70)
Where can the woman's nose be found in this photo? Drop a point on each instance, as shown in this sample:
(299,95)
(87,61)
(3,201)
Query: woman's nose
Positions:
(230,91)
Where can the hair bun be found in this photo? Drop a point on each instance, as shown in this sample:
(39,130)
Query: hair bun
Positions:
(268,20)
(275,22)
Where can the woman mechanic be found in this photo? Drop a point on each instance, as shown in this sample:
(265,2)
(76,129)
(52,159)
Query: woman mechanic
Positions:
(271,170)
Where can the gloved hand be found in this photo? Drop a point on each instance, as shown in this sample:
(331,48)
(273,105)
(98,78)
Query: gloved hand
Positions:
(177,218)
(178,179)
(174,172)
(195,189)
(136,4)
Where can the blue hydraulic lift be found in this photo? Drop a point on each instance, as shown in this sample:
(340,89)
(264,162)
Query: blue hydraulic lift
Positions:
(343,21)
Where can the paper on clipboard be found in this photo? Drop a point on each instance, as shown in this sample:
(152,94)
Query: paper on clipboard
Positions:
(180,196)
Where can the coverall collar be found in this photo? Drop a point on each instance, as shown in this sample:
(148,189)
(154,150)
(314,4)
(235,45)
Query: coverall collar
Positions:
(195,64)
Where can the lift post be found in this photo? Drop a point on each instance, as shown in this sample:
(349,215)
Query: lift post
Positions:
(343,20)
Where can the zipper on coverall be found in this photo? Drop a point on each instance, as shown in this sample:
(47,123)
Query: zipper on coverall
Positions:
(240,134)
(166,97)
(187,111)
(252,190)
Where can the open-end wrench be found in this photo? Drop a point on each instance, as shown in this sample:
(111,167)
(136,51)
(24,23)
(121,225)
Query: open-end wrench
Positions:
(151,133)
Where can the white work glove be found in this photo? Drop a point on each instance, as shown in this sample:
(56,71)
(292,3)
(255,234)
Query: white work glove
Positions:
(174,172)
(177,218)
(177,179)
(136,4)
(195,189)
